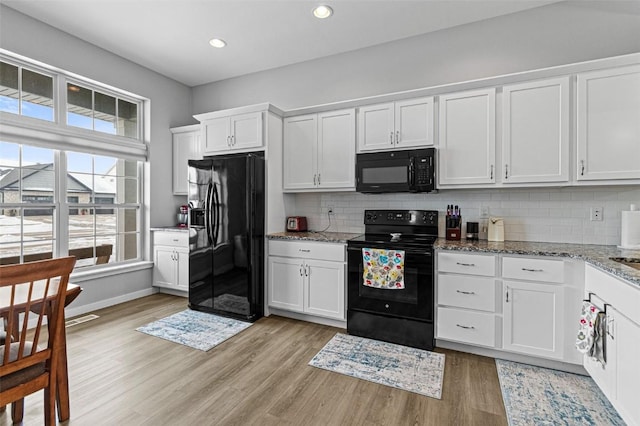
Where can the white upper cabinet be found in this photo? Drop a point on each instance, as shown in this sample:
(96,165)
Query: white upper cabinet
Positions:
(467,140)
(186,146)
(609,124)
(535,132)
(239,132)
(396,125)
(319,151)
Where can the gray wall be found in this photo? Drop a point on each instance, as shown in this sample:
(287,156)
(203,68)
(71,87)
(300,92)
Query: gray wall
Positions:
(170,106)
(552,35)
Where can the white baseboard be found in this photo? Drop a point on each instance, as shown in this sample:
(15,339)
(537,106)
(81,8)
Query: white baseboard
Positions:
(83,309)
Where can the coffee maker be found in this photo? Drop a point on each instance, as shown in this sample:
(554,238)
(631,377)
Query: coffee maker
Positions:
(183,216)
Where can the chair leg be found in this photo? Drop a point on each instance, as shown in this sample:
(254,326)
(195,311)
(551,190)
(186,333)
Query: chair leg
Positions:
(17,410)
(49,406)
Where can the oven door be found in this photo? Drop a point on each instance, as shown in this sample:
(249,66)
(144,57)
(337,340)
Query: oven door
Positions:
(415,301)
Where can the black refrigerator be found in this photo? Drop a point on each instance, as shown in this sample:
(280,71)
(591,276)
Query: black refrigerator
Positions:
(226,235)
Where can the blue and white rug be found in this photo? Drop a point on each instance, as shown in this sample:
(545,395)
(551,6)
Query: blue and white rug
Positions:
(402,367)
(540,396)
(198,330)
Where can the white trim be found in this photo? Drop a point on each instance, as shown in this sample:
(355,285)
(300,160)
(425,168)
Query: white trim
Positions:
(83,309)
(108,271)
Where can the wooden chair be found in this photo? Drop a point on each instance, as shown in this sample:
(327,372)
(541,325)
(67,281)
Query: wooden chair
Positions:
(30,295)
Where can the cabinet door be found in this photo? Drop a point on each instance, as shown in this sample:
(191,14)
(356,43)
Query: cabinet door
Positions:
(216,135)
(164,268)
(535,126)
(186,146)
(246,130)
(376,127)
(337,149)
(609,124)
(533,318)
(626,333)
(300,152)
(414,123)
(325,289)
(286,276)
(182,265)
(467,137)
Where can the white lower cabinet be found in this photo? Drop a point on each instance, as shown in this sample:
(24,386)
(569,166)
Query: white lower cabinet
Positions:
(620,375)
(171,260)
(307,277)
(524,305)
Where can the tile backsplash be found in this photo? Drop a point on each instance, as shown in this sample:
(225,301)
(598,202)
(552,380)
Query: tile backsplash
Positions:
(531,214)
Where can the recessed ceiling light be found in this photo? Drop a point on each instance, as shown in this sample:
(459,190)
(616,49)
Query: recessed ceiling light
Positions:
(322,12)
(217,42)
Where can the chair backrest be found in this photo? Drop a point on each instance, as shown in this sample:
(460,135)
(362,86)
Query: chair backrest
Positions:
(32,294)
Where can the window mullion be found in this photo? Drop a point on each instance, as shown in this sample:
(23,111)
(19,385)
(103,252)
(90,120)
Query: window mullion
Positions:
(62,207)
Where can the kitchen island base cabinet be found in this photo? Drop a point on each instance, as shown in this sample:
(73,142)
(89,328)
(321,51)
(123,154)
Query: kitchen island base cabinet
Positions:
(619,378)
(308,278)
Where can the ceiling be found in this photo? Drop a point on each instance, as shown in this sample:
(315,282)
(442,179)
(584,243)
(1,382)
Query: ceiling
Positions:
(171,36)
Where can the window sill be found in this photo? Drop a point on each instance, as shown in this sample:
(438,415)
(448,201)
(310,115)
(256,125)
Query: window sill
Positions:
(107,271)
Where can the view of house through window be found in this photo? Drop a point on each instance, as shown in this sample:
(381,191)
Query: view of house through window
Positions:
(25,92)
(94,201)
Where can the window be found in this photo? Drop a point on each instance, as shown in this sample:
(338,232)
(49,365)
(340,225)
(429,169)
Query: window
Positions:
(100,217)
(63,189)
(94,110)
(25,92)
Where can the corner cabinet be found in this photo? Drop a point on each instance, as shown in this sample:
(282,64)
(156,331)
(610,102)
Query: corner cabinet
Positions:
(231,133)
(620,376)
(171,260)
(535,120)
(609,124)
(307,277)
(396,125)
(186,146)
(467,138)
(319,151)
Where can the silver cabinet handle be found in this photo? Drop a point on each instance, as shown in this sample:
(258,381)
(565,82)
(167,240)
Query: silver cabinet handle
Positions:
(581,167)
(465,292)
(467,327)
(397,136)
(318,178)
(465,264)
(533,270)
(391,138)
(507,294)
(491,172)
(315,180)
(228,140)
(305,250)
(301,269)
(506,171)
(306,270)
(233,139)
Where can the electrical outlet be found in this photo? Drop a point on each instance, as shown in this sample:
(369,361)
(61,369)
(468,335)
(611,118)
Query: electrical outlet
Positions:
(484,211)
(330,210)
(597,213)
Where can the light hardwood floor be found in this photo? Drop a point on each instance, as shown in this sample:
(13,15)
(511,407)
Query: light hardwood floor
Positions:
(119,376)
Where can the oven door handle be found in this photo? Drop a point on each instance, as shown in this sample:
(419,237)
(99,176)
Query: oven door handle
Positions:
(410,251)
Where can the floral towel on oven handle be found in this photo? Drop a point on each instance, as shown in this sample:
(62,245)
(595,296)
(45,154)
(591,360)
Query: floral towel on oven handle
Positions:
(383,268)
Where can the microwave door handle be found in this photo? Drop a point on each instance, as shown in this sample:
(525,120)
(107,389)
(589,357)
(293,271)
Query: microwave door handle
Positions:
(411,174)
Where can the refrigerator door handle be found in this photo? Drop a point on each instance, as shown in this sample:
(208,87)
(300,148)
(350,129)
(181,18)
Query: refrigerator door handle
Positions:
(216,203)
(207,213)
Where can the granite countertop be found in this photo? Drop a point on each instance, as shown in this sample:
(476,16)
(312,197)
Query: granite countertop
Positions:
(596,255)
(170,228)
(327,237)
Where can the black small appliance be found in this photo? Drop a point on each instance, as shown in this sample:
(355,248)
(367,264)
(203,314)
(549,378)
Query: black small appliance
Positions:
(396,171)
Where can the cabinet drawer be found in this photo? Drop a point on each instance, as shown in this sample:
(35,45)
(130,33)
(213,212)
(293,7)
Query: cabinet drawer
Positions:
(473,264)
(522,268)
(477,328)
(307,250)
(465,291)
(176,239)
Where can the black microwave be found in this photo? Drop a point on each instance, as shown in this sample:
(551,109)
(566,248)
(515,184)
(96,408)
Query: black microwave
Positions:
(396,171)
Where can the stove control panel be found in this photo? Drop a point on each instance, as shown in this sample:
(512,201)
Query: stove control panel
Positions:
(401,217)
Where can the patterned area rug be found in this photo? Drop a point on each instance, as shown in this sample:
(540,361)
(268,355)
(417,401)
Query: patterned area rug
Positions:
(401,367)
(540,396)
(198,330)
